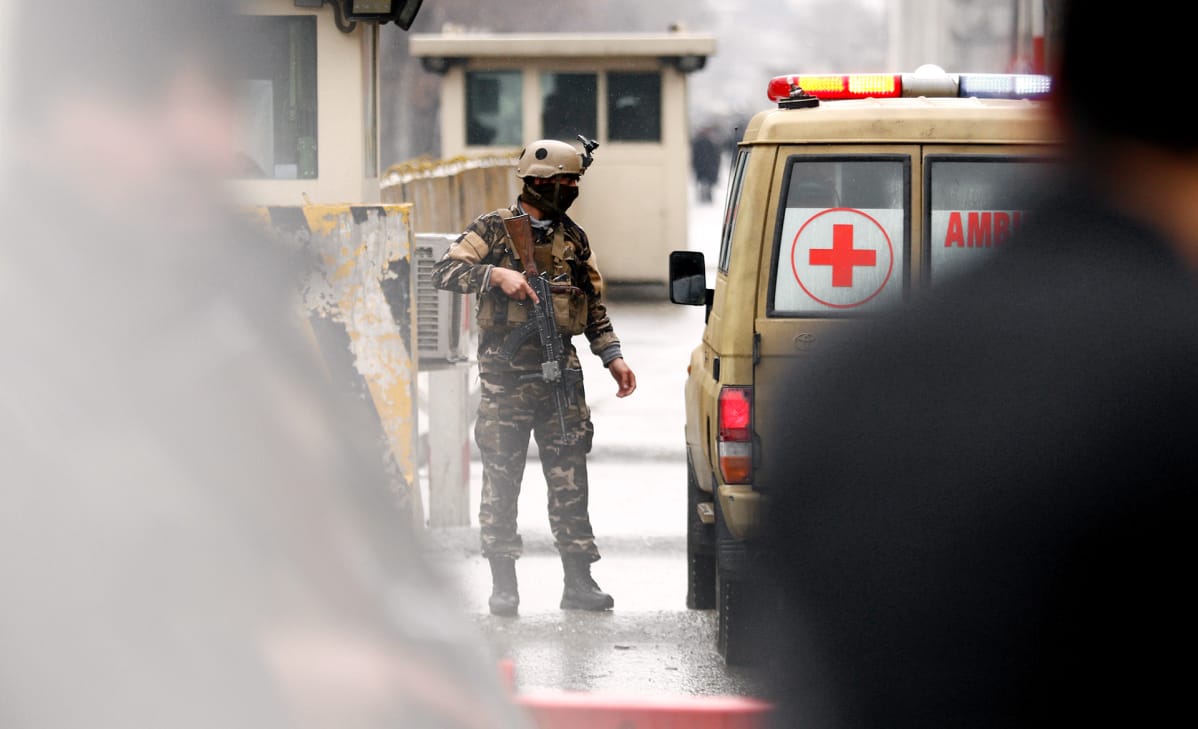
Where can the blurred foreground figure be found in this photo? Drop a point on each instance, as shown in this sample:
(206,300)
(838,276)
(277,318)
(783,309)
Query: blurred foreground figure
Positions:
(196,530)
(989,501)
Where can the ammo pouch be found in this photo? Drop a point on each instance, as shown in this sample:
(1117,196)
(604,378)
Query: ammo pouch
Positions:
(570,311)
(495,309)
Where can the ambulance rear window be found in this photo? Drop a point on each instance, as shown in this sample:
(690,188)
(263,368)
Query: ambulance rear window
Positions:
(975,204)
(732,207)
(841,240)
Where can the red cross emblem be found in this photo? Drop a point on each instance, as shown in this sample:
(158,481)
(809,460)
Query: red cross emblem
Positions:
(842,257)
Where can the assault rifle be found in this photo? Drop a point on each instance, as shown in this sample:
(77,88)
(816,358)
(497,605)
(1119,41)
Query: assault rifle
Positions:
(541,322)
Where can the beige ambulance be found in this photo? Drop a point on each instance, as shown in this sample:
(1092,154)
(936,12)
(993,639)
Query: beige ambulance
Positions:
(845,200)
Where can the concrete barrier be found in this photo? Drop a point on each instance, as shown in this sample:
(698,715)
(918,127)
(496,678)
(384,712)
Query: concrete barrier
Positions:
(449,194)
(358,298)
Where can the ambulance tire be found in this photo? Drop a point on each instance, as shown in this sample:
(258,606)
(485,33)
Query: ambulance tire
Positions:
(700,548)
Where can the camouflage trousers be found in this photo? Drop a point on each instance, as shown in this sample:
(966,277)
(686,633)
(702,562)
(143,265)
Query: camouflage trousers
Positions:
(509,410)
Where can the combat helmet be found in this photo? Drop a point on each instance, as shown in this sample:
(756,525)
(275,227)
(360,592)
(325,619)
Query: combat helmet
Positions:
(547,158)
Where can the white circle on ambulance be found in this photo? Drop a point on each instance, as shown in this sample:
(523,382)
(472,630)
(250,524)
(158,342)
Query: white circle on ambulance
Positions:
(840,258)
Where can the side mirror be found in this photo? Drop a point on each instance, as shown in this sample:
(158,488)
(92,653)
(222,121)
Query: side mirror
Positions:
(688,278)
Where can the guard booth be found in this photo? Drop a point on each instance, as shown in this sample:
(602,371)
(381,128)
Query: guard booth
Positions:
(310,174)
(311,101)
(627,91)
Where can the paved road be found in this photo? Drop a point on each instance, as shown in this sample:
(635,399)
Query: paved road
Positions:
(650,644)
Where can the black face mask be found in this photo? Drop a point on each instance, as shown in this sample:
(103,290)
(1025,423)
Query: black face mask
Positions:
(553,198)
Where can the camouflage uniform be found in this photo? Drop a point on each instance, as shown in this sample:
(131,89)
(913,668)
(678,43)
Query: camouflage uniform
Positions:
(512,407)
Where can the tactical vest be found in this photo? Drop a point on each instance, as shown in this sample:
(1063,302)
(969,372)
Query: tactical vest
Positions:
(497,309)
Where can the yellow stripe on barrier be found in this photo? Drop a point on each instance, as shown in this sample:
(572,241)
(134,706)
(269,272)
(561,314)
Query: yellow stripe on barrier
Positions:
(360,292)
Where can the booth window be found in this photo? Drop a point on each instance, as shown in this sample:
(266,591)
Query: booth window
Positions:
(278,95)
(494,103)
(569,105)
(634,107)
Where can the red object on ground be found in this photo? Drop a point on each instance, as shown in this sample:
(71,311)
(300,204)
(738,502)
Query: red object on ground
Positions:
(569,710)
(507,674)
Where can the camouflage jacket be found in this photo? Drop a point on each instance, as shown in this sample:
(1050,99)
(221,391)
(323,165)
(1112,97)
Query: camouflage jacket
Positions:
(466,268)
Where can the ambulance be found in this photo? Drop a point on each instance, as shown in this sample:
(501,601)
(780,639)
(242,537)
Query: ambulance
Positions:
(848,198)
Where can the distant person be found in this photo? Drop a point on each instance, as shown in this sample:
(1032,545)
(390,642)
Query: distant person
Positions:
(196,528)
(705,163)
(516,400)
(984,506)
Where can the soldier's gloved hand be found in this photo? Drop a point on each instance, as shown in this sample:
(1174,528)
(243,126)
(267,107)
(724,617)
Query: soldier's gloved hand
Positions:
(513,284)
(623,375)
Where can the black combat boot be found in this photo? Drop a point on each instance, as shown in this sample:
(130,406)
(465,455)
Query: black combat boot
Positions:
(504,598)
(581,592)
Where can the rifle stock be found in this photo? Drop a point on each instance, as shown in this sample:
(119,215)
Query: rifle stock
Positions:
(519,229)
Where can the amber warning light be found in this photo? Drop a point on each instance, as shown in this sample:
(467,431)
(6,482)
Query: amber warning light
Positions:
(855,86)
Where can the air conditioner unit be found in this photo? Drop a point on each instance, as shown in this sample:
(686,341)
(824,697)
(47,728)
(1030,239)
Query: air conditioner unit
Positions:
(446,331)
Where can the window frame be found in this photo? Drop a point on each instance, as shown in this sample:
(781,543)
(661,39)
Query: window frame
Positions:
(597,100)
(930,159)
(607,107)
(520,76)
(311,86)
(736,179)
(907,161)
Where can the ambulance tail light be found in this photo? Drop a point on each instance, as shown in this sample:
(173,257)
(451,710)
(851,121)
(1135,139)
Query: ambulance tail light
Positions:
(1004,85)
(735,439)
(837,86)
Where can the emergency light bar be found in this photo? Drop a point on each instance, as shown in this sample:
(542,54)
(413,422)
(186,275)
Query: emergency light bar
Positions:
(927,81)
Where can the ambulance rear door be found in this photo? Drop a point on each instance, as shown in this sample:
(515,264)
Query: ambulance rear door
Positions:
(841,252)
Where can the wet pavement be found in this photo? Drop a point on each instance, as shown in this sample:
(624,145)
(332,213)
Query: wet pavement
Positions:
(649,644)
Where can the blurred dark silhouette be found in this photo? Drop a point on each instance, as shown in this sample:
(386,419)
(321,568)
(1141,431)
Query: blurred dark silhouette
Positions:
(197,529)
(983,505)
(705,162)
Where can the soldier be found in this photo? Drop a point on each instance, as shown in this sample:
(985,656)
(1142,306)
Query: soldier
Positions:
(515,400)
